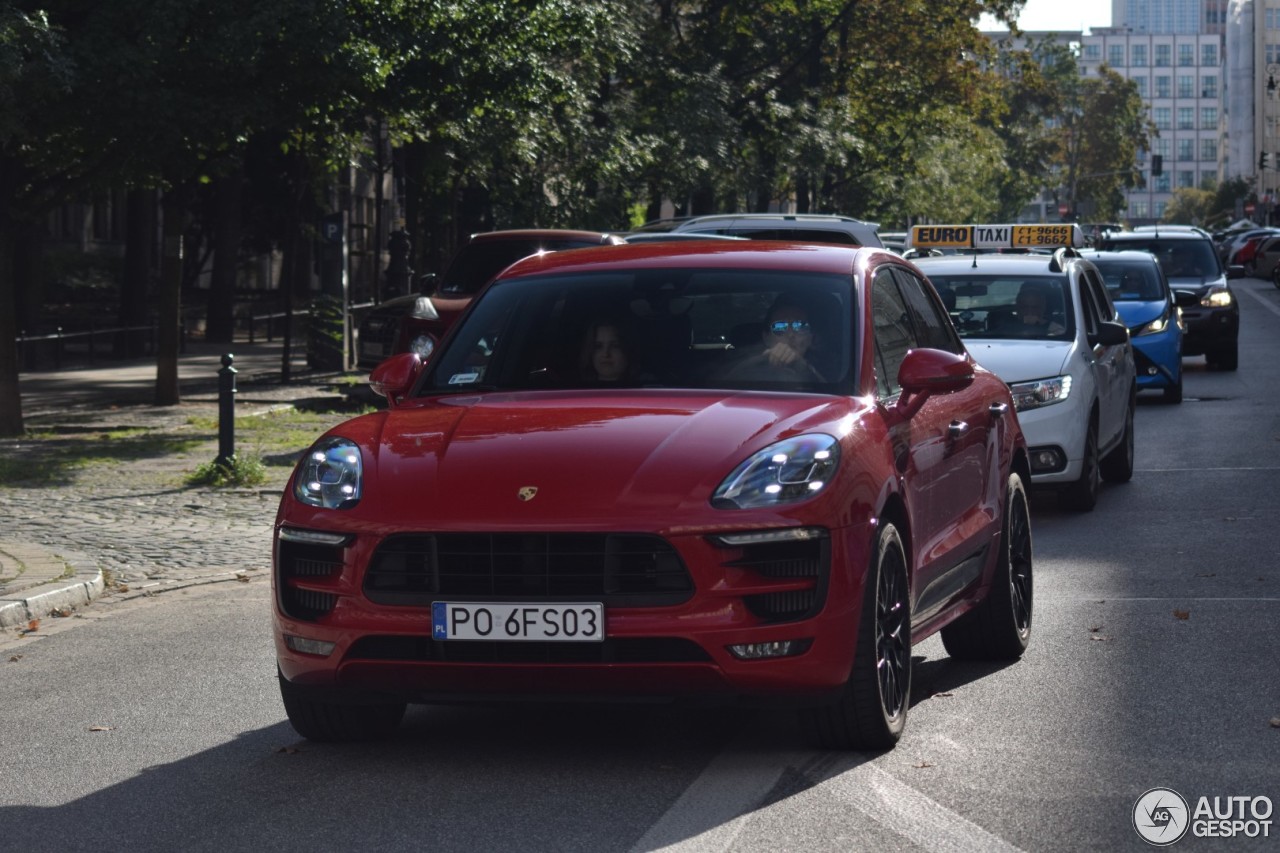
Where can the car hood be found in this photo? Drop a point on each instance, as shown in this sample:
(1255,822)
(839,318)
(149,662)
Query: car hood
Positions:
(590,456)
(1195,283)
(1137,314)
(1020,361)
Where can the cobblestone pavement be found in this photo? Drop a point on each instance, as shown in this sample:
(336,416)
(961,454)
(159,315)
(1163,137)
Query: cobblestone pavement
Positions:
(135,519)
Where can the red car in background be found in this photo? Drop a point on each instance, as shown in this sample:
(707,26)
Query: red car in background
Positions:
(417,322)
(728,470)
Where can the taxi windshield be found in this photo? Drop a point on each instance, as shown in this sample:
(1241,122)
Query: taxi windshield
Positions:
(671,328)
(1004,306)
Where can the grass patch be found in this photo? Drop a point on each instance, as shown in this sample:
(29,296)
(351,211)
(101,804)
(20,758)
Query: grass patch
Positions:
(238,471)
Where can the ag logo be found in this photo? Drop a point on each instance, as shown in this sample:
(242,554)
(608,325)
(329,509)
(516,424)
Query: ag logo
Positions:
(1161,816)
(527,493)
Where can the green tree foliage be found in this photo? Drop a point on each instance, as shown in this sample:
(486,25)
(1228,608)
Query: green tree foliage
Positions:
(1104,126)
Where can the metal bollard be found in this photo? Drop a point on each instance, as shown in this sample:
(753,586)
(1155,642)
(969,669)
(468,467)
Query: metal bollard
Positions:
(226,412)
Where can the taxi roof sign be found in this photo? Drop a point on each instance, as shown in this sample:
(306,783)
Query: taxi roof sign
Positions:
(1023,236)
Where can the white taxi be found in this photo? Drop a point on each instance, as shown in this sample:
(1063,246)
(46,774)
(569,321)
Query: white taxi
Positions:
(1038,315)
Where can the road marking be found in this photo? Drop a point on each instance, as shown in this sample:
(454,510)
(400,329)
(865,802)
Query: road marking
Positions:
(712,812)
(1186,470)
(1265,303)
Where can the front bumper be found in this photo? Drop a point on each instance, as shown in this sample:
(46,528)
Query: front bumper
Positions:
(1158,359)
(1058,430)
(672,649)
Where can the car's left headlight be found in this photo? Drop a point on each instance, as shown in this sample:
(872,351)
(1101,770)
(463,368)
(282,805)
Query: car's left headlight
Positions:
(330,474)
(790,470)
(1156,326)
(1217,297)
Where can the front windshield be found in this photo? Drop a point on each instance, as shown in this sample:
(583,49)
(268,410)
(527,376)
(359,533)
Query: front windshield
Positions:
(676,328)
(1008,306)
(1180,259)
(1130,282)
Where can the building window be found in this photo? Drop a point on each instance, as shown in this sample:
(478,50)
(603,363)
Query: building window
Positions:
(1141,83)
(1092,52)
(1273,50)
(1185,150)
(1164,86)
(1161,183)
(1186,118)
(1186,54)
(1208,118)
(1186,86)
(1161,147)
(1115,55)
(1160,115)
(1209,150)
(1161,205)
(1209,55)
(1138,55)
(1186,178)
(1209,86)
(1164,55)
(1139,209)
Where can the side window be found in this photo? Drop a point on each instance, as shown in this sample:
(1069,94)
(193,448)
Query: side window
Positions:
(933,327)
(891,326)
(1102,299)
(1089,306)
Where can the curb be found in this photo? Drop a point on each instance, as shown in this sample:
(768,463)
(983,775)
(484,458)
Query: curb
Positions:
(20,608)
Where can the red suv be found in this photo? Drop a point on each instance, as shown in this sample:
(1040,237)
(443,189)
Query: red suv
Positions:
(417,322)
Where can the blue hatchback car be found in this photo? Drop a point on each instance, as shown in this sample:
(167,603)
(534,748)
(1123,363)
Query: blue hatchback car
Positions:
(1141,294)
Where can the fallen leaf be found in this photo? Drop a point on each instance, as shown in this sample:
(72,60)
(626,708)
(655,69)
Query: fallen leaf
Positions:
(15,658)
(242,577)
(922,765)
(1095,629)
(33,625)
(99,728)
(1100,638)
(1182,614)
(944,693)
(61,612)
(289,750)
(1275,722)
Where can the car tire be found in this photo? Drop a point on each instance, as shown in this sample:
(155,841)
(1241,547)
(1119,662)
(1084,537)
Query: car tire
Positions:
(1082,495)
(1000,627)
(1117,466)
(871,711)
(1173,393)
(333,722)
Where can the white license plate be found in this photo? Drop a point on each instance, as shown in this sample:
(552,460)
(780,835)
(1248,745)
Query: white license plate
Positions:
(547,621)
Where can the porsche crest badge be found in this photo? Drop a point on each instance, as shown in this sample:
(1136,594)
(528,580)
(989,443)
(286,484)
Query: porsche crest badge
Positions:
(527,493)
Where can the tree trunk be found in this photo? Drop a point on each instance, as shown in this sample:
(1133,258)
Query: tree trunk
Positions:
(220,322)
(169,303)
(139,260)
(10,395)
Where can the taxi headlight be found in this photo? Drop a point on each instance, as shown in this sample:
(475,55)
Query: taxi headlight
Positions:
(1040,392)
(791,470)
(330,474)
(1217,297)
(422,345)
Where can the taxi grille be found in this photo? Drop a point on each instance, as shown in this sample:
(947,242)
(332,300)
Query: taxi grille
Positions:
(635,570)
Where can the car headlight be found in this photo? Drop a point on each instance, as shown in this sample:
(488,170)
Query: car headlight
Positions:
(1217,297)
(422,345)
(330,475)
(1156,326)
(424,309)
(1040,392)
(791,470)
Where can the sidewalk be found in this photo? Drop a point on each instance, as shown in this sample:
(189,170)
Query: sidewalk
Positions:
(54,575)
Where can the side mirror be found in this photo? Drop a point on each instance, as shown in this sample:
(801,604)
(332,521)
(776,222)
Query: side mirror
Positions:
(1110,334)
(925,372)
(1237,271)
(427,283)
(395,376)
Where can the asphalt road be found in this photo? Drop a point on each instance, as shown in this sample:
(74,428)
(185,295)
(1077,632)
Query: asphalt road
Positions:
(154,724)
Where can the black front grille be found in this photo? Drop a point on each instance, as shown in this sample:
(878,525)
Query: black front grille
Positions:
(618,650)
(635,570)
(805,559)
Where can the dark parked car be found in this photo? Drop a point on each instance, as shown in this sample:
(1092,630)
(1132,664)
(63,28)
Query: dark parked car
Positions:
(417,322)
(1210,311)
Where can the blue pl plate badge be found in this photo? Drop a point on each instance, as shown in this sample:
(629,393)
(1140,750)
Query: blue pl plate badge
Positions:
(439,620)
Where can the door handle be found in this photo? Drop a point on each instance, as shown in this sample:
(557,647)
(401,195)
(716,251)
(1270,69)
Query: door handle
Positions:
(998,410)
(957,429)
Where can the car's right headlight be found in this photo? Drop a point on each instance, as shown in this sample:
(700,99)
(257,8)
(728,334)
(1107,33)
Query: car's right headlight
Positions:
(422,345)
(1040,392)
(330,474)
(1217,297)
(790,470)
